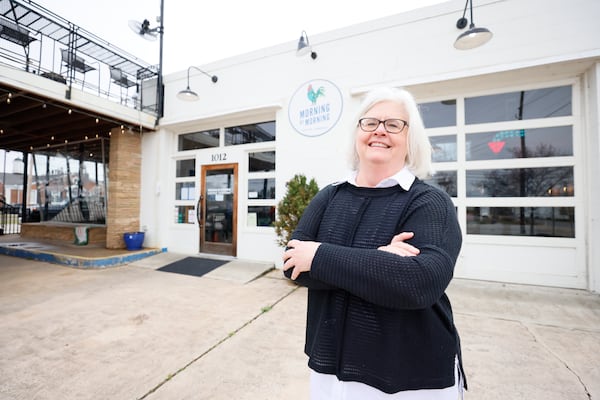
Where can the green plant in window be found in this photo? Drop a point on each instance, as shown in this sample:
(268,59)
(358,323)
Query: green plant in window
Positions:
(289,210)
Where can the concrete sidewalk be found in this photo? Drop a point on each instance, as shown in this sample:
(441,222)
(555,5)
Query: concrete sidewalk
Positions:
(132,332)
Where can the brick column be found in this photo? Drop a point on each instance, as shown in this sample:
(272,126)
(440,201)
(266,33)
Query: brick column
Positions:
(124,177)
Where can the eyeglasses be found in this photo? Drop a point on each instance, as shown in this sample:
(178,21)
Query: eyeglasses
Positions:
(390,125)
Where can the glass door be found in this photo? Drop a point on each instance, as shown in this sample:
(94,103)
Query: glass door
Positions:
(217,216)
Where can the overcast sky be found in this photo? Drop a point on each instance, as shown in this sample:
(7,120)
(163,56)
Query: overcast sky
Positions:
(200,32)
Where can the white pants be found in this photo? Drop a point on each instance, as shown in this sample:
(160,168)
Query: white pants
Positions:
(328,387)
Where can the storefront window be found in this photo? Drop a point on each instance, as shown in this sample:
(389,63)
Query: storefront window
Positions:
(521,182)
(444,148)
(438,113)
(520,143)
(261,162)
(521,221)
(497,165)
(185,168)
(185,191)
(198,140)
(68,183)
(261,216)
(525,104)
(445,180)
(252,133)
(185,214)
(261,188)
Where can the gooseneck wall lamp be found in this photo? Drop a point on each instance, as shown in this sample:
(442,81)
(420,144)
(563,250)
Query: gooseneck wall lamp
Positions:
(188,94)
(304,47)
(474,37)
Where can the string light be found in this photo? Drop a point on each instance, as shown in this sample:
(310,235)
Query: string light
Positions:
(70,111)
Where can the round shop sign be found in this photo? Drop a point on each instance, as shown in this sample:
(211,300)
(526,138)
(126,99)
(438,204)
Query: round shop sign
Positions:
(315,108)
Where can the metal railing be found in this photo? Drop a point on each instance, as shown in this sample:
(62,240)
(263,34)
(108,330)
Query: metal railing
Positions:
(40,42)
(10,219)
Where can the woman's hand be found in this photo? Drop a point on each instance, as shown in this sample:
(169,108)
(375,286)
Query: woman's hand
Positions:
(299,255)
(399,247)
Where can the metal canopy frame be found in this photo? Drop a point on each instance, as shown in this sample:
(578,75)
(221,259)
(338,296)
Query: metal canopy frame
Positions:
(37,19)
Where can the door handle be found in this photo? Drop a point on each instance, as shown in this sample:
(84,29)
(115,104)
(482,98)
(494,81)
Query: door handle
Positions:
(199,211)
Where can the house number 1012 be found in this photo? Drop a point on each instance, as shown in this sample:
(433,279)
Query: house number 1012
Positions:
(218,157)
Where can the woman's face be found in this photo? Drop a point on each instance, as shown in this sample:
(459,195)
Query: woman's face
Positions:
(381,148)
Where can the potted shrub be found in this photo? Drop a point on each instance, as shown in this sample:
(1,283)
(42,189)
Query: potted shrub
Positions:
(289,210)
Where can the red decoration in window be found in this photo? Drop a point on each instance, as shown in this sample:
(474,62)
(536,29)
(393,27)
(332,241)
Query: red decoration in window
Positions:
(496,147)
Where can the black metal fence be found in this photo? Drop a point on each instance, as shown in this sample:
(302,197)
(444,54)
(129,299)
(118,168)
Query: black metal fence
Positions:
(10,219)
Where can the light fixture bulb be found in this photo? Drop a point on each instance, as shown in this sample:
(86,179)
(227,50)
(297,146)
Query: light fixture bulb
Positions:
(187,95)
(472,38)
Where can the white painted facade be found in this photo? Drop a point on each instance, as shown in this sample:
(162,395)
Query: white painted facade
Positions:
(536,44)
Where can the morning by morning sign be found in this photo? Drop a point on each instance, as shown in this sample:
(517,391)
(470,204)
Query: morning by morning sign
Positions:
(315,108)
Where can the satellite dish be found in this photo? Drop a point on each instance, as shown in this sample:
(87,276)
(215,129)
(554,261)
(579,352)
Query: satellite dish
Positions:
(143,29)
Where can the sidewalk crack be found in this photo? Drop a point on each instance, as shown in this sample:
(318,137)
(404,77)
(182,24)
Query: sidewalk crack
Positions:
(220,342)
(563,362)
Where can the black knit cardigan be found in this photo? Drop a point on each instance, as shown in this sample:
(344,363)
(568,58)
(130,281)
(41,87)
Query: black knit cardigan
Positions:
(373,316)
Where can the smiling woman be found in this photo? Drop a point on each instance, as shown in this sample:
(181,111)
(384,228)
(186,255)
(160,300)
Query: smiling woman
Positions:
(377,253)
(390,119)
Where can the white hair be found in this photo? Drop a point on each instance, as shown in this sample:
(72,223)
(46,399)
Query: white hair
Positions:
(418,157)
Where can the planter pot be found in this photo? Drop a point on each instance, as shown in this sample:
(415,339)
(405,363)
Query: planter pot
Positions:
(133,240)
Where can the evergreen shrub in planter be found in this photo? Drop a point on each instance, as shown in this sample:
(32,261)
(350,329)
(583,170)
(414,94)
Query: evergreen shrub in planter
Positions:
(290,208)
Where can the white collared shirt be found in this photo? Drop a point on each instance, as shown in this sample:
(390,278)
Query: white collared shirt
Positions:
(328,387)
(404,178)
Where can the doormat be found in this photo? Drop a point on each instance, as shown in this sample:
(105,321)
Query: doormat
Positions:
(194,266)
